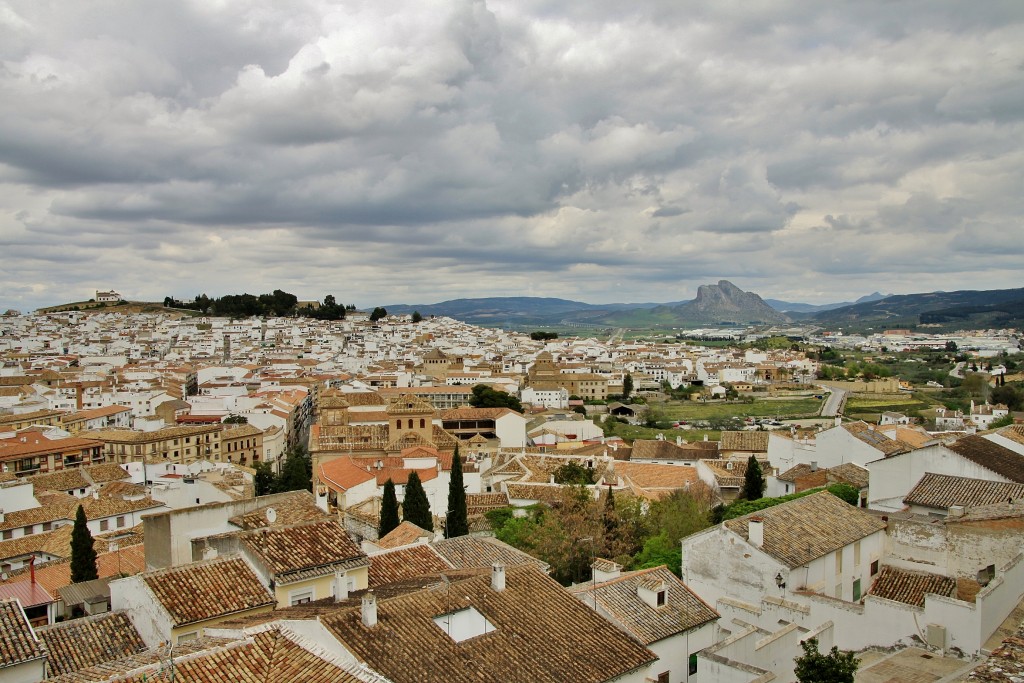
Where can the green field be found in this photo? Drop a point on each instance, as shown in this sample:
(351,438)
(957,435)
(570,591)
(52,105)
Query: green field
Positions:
(870,409)
(631,432)
(762,407)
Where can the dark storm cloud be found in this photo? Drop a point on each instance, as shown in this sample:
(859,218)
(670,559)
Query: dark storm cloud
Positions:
(596,151)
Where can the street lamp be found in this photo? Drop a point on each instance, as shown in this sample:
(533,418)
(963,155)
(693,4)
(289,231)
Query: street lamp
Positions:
(779,581)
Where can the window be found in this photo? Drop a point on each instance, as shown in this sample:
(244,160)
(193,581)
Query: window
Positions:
(839,562)
(874,567)
(104,524)
(301,598)
(663,677)
(661,598)
(120,521)
(693,664)
(423,423)
(856,555)
(8,534)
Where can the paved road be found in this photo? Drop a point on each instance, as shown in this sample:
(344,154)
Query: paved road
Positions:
(958,370)
(834,404)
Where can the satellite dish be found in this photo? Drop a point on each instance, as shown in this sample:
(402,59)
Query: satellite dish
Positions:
(271,515)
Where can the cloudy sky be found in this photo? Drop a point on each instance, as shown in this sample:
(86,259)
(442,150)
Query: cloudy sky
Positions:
(412,152)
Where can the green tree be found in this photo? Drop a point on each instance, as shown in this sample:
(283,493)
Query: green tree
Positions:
(264,479)
(573,473)
(235,420)
(297,471)
(753,480)
(416,317)
(456,519)
(83,553)
(657,551)
(416,507)
(486,397)
(388,510)
(1008,395)
(378,313)
(814,667)
(627,386)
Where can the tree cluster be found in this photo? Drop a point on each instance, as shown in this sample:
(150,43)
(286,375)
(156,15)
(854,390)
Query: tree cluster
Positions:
(578,528)
(329,309)
(485,396)
(540,335)
(279,303)
(378,313)
(814,667)
(296,474)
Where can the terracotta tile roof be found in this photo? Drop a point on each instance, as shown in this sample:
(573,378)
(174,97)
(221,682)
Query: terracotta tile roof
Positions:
(392,566)
(795,472)
(652,476)
(307,549)
(297,506)
(205,590)
(654,449)
(547,493)
(467,552)
(1012,432)
(101,474)
(38,444)
(404,534)
(65,507)
(271,655)
(943,491)
(85,642)
(55,575)
(56,543)
(991,456)
(476,413)
(150,661)
(850,473)
(753,441)
(343,473)
(807,528)
(619,600)
(541,634)
(910,587)
(479,503)
(65,480)
(876,439)
(18,643)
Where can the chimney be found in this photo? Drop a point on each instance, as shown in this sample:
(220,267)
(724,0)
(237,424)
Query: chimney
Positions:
(369,609)
(1,516)
(814,466)
(839,420)
(340,586)
(497,577)
(679,440)
(755,531)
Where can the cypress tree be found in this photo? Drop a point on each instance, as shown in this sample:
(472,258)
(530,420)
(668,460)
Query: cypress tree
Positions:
(753,480)
(388,510)
(416,507)
(456,520)
(83,554)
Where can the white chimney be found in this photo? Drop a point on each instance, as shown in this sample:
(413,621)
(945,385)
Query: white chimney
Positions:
(340,586)
(497,577)
(755,531)
(369,609)
(679,440)
(1,516)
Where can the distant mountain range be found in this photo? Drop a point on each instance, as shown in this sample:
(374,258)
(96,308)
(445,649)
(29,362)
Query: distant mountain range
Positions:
(726,304)
(790,307)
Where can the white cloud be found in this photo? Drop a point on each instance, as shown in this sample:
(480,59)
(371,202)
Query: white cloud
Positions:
(456,147)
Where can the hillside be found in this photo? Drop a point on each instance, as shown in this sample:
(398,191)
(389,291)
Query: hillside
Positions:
(955,310)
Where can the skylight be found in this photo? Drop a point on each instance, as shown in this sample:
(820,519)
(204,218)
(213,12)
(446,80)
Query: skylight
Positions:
(464,624)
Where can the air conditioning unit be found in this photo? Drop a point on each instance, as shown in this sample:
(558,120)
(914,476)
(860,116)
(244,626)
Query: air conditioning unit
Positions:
(936,636)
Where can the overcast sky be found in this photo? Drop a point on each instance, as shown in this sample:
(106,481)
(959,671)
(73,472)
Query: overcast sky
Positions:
(413,152)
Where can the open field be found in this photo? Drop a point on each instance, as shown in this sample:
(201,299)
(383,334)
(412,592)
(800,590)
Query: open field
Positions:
(761,407)
(870,409)
(631,432)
